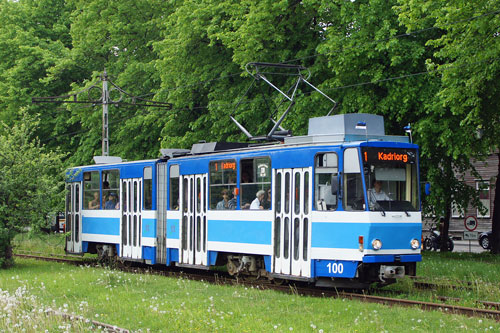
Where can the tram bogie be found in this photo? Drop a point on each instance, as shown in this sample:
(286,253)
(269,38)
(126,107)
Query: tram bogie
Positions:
(338,207)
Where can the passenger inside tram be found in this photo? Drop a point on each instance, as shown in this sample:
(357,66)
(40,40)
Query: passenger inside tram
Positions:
(267,199)
(111,202)
(257,203)
(224,203)
(95,203)
(233,202)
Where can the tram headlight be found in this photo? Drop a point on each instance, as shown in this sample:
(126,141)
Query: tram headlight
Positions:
(415,244)
(377,244)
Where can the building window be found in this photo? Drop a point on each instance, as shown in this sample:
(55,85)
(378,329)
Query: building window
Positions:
(223,184)
(148,188)
(484,197)
(91,190)
(455,212)
(255,183)
(325,171)
(111,189)
(174,187)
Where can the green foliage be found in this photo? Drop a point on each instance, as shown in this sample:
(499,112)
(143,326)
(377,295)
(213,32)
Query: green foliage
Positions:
(34,38)
(211,42)
(117,36)
(464,57)
(30,182)
(193,54)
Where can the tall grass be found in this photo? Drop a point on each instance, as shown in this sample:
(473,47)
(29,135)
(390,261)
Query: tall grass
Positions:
(39,243)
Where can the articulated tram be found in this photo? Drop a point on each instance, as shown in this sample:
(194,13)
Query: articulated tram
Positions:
(338,207)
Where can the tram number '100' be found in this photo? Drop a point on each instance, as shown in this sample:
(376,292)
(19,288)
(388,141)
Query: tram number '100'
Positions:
(334,268)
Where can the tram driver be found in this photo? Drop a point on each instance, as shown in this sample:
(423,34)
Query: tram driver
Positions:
(376,194)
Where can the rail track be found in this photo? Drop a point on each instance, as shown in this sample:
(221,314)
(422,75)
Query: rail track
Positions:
(485,309)
(75,260)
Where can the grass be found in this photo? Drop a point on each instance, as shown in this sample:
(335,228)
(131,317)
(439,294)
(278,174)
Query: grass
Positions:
(40,243)
(147,302)
(461,266)
(476,277)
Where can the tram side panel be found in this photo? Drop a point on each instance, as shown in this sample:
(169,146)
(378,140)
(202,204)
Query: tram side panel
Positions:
(240,231)
(118,214)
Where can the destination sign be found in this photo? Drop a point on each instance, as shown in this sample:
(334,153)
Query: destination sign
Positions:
(225,165)
(388,155)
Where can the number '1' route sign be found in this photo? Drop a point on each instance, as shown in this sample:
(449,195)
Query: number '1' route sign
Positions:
(470,223)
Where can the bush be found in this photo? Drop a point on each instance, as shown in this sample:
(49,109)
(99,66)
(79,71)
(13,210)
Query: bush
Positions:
(31,185)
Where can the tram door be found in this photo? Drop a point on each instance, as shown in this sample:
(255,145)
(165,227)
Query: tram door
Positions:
(193,245)
(292,226)
(161,206)
(131,223)
(73,218)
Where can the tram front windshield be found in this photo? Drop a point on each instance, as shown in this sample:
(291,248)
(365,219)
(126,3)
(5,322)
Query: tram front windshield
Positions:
(391,179)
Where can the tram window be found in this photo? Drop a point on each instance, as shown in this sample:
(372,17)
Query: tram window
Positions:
(287,193)
(277,190)
(91,192)
(185,190)
(77,198)
(391,178)
(306,192)
(255,177)
(174,187)
(148,188)
(297,195)
(353,184)
(222,184)
(111,189)
(325,171)
(198,196)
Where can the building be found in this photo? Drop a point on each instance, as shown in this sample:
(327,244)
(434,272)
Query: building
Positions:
(488,170)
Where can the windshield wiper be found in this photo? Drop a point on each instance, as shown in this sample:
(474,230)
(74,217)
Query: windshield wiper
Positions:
(380,208)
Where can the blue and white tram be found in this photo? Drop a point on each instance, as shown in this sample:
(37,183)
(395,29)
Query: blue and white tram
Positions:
(301,210)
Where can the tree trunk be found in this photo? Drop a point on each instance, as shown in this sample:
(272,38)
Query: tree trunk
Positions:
(444,229)
(495,222)
(444,226)
(6,256)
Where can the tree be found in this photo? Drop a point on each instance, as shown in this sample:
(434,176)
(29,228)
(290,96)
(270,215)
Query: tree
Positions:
(31,184)
(203,54)
(117,36)
(381,68)
(33,39)
(466,53)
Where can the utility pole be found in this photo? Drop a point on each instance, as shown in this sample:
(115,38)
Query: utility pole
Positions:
(105,103)
(83,97)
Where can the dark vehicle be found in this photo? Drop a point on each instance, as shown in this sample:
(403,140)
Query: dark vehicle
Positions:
(433,241)
(58,223)
(485,240)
